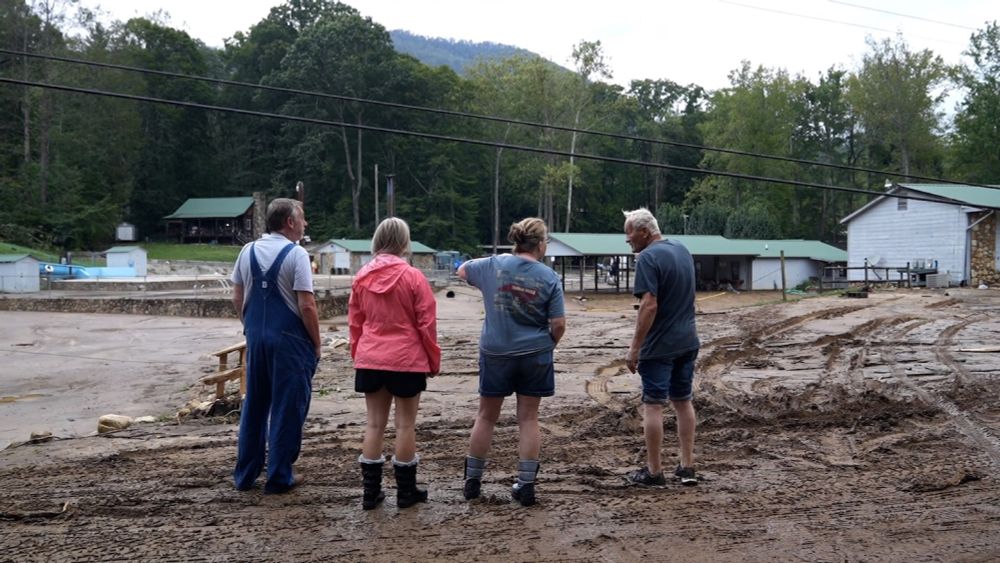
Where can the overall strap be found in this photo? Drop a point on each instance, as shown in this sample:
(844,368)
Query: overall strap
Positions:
(272,272)
(275,269)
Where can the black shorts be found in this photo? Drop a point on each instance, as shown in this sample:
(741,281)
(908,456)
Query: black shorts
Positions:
(403,384)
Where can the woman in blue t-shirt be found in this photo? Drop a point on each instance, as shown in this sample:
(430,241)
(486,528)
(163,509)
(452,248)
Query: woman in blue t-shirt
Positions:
(524,321)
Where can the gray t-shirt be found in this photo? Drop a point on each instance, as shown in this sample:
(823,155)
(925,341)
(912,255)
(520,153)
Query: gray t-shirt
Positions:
(519,296)
(295,274)
(666,270)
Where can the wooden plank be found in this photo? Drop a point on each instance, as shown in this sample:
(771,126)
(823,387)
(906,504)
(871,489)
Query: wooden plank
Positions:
(241,346)
(223,376)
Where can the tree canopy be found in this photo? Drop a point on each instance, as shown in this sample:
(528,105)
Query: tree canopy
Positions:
(73,165)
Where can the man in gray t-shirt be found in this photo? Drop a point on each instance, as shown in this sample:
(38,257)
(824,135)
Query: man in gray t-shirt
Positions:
(665,343)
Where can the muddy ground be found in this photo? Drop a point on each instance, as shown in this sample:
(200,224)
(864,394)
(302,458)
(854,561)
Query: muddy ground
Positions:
(830,429)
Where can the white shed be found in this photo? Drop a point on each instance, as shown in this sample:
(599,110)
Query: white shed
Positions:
(18,273)
(127,257)
(890,232)
(347,256)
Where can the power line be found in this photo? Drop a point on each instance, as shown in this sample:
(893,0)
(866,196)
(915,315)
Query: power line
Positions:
(448,138)
(928,20)
(828,20)
(804,16)
(486,117)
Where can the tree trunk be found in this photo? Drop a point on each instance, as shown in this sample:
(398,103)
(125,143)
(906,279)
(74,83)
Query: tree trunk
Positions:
(356,191)
(45,122)
(347,157)
(496,200)
(26,102)
(572,159)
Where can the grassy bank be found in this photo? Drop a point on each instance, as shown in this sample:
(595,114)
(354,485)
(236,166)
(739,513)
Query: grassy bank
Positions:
(154,251)
(196,252)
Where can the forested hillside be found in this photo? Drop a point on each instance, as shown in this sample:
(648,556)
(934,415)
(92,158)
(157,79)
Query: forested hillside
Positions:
(456,55)
(74,164)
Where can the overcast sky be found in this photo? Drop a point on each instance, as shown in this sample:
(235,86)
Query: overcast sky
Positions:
(697,41)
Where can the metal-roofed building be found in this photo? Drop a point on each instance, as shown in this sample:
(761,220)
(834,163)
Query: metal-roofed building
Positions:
(226,220)
(957,235)
(607,260)
(19,273)
(347,256)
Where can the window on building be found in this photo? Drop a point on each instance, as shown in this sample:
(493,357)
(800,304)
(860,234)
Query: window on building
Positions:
(901,204)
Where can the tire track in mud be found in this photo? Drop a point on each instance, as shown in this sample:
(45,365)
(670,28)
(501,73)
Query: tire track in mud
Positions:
(864,339)
(982,437)
(721,352)
(945,341)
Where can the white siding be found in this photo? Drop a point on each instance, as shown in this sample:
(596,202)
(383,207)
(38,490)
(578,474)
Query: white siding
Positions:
(924,231)
(767,272)
(19,277)
(135,259)
(996,250)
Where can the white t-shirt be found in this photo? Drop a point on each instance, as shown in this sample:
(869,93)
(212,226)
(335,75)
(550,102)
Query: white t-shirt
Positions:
(295,274)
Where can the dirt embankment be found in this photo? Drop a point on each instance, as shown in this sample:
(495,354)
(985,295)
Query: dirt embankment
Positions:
(829,430)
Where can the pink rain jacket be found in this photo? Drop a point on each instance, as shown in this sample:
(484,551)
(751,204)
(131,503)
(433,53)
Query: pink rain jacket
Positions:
(393,318)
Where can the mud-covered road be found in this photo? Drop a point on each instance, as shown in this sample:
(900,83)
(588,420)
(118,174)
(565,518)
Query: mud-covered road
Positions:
(830,429)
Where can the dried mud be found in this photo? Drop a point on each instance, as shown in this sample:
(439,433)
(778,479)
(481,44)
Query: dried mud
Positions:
(828,431)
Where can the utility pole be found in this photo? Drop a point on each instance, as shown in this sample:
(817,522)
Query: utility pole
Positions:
(376,194)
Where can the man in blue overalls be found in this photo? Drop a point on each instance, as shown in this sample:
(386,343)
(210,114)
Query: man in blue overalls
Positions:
(273,295)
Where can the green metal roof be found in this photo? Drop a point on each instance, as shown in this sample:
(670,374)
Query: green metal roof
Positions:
(121,249)
(591,244)
(209,207)
(11,258)
(364,246)
(794,248)
(594,244)
(972,195)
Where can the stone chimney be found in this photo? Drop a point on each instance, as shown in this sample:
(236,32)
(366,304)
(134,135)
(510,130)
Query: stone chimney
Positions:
(259,214)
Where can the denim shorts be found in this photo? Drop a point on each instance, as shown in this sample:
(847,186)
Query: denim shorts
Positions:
(666,379)
(532,375)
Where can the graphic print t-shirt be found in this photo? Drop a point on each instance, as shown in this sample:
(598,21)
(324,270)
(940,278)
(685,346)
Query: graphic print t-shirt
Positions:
(519,296)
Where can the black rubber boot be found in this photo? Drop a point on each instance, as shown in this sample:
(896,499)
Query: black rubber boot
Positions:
(472,487)
(371,479)
(407,493)
(523,490)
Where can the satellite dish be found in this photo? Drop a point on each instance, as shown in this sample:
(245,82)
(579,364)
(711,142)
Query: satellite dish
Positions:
(876,260)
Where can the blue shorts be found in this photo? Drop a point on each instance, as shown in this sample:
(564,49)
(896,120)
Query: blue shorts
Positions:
(667,378)
(532,375)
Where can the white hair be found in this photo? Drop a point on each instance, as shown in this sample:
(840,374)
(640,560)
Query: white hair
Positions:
(642,219)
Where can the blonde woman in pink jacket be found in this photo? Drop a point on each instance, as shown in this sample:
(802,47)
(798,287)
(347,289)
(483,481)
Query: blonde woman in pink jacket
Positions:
(393,319)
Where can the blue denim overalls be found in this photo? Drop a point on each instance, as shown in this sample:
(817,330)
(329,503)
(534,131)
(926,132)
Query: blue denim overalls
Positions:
(281,361)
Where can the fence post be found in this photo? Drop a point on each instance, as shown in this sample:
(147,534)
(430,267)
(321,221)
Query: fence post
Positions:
(909,277)
(784,294)
(866,274)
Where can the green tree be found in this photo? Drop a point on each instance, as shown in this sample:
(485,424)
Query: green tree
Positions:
(707,219)
(671,218)
(342,53)
(757,114)
(589,59)
(895,95)
(752,222)
(977,124)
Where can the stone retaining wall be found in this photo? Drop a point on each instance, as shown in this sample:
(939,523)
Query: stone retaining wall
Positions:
(331,306)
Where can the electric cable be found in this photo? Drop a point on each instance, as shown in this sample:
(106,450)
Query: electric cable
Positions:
(496,119)
(479,142)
